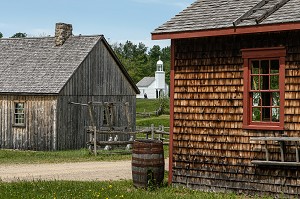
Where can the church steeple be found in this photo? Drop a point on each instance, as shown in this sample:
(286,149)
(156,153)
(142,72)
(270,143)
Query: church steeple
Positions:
(159,65)
(160,82)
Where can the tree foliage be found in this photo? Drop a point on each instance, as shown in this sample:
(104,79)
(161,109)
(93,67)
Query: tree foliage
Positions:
(19,35)
(141,62)
(1,35)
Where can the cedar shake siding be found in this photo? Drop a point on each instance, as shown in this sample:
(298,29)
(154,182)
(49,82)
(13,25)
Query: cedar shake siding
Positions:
(211,151)
(235,107)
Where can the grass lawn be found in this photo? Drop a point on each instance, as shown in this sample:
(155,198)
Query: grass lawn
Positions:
(156,120)
(82,155)
(103,190)
(146,105)
(150,106)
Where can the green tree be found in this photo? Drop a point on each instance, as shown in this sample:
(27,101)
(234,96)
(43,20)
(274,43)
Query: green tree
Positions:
(1,35)
(19,35)
(133,57)
(166,57)
(139,62)
(154,54)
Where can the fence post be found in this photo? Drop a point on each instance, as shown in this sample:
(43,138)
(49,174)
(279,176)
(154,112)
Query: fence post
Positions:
(95,140)
(152,131)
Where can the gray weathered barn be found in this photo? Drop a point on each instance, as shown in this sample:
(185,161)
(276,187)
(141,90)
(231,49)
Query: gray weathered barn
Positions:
(235,103)
(40,76)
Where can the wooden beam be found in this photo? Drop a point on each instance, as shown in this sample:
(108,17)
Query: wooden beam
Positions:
(249,13)
(101,143)
(293,139)
(275,163)
(227,31)
(271,11)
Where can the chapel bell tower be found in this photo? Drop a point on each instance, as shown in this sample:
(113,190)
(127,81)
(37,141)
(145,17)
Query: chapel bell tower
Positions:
(160,79)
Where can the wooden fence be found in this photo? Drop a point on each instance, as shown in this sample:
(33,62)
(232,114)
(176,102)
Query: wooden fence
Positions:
(152,132)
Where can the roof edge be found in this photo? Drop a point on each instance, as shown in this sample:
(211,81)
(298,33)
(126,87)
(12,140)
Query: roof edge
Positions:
(227,31)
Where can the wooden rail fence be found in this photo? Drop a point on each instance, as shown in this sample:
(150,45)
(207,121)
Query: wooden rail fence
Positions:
(113,142)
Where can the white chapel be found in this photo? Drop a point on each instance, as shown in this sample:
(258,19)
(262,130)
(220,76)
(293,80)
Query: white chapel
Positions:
(154,87)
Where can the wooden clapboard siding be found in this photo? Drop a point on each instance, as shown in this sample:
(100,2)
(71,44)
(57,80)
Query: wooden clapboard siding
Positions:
(39,131)
(211,151)
(99,79)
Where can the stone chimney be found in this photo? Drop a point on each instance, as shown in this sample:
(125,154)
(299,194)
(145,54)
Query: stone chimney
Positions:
(62,33)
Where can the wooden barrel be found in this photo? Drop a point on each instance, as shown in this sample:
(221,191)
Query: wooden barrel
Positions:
(148,163)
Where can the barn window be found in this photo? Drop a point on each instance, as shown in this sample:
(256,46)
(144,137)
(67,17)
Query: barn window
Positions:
(264,71)
(19,115)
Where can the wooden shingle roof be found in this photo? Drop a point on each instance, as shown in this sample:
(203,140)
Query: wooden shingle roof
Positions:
(205,15)
(36,65)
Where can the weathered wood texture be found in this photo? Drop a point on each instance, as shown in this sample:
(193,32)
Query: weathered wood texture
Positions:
(211,150)
(39,132)
(98,79)
(54,124)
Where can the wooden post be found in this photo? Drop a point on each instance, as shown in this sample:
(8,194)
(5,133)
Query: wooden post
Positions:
(267,152)
(95,140)
(128,116)
(297,152)
(112,115)
(91,113)
(152,131)
(282,150)
(162,130)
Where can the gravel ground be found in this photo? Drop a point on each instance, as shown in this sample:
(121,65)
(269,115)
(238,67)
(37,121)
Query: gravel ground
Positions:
(79,171)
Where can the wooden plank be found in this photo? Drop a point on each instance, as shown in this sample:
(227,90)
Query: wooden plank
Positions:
(111,143)
(274,163)
(282,150)
(297,152)
(267,151)
(112,132)
(295,139)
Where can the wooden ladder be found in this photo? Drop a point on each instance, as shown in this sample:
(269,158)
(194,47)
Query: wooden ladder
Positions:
(261,11)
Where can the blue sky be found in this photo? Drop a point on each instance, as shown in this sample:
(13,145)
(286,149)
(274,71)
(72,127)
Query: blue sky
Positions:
(117,20)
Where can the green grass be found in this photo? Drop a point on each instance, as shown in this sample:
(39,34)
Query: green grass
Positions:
(103,190)
(150,106)
(157,120)
(83,155)
(147,105)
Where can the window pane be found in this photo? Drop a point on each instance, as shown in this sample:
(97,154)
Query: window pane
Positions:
(19,113)
(256,114)
(266,99)
(265,67)
(255,82)
(255,67)
(256,99)
(266,114)
(275,114)
(274,66)
(264,82)
(274,82)
(275,99)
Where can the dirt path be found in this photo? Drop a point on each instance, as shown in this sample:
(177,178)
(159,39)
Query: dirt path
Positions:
(79,171)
